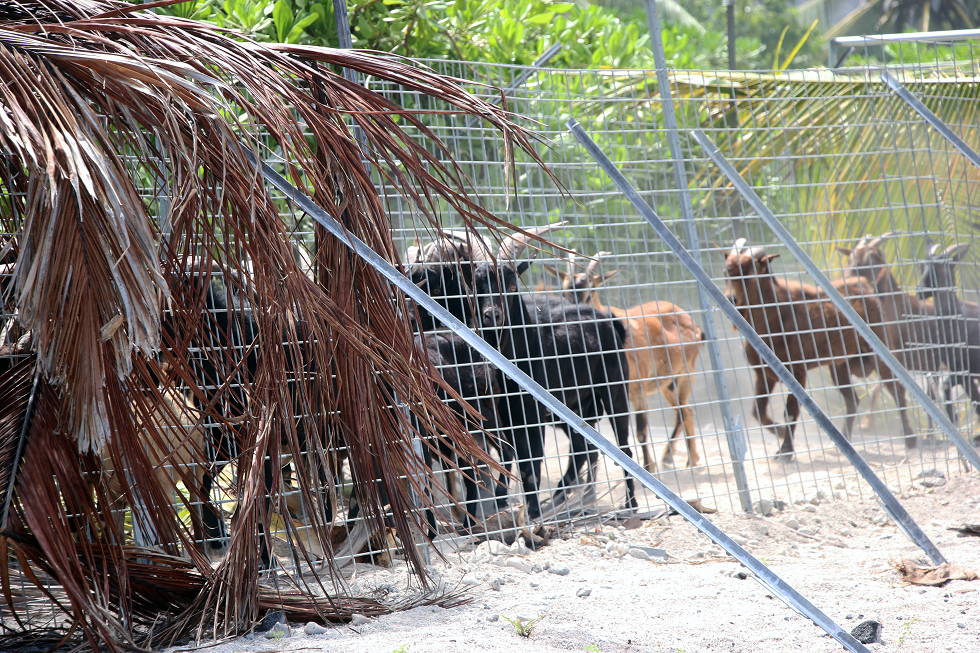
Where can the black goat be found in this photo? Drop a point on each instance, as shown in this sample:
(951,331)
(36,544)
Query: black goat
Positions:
(959,321)
(572,350)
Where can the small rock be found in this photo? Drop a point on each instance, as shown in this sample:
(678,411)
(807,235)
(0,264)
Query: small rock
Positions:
(805,531)
(536,568)
(740,540)
(960,624)
(867,632)
(478,557)
(561,571)
(640,554)
(469,579)
(764,529)
(880,518)
(741,575)
(498,548)
(250,636)
(930,473)
(496,583)
(839,485)
(313,628)
(583,592)
(602,539)
(850,616)
(499,561)
(359,620)
(533,584)
(632,523)
(546,564)
(809,508)
(493,617)
(520,565)
(520,547)
(845,532)
(779,505)
(271,618)
(932,482)
(278,631)
(764,507)
(792,523)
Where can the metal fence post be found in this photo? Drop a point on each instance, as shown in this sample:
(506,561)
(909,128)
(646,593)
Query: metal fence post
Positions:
(891,505)
(761,573)
(733,432)
(880,348)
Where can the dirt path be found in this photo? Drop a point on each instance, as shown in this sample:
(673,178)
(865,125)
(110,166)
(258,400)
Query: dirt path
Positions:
(693,600)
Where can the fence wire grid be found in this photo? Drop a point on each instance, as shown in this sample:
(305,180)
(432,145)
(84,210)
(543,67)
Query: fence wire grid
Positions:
(837,157)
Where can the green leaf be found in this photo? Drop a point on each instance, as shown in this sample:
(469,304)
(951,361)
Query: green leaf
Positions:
(541,19)
(561,7)
(296,33)
(282,15)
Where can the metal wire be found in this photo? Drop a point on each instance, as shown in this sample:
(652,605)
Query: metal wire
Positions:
(834,155)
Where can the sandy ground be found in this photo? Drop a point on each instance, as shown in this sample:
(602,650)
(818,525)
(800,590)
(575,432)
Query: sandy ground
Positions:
(691,600)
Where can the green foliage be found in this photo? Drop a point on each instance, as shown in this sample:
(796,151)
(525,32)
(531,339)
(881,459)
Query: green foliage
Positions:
(280,21)
(495,31)
(401,649)
(592,648)
(523,628)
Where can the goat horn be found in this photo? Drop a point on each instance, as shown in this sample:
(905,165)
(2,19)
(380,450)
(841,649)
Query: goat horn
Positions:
(877,241)
(414,254)
(739,246)
(571,262)
(594,263)
(757,252)
(934,248)
(514,246)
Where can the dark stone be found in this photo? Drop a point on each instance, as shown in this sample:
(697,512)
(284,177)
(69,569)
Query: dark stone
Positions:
(741,575)
(779,505)
(271,618)
(632,523)
(867,632)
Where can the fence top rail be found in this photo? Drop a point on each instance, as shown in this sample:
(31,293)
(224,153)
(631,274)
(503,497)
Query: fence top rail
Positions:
(931,37)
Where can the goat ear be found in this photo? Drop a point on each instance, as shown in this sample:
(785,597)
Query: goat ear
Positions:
(768,258)
(610,274)
(957,252)
(846,251)
(522,267)
(553,270)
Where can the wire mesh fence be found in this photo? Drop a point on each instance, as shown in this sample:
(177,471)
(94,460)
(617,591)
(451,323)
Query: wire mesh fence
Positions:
(612,324)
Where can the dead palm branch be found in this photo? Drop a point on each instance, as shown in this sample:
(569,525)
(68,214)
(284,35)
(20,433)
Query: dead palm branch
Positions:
(101,99)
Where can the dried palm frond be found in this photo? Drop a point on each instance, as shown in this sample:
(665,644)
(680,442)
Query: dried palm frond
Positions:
(100,99)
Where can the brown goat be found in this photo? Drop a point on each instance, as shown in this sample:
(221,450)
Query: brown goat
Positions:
(911,323)
(662,346)
(805,330)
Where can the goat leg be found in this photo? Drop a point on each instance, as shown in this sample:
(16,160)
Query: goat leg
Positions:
(842,377)
(897,391)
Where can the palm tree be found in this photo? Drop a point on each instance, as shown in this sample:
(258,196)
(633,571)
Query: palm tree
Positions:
(845,152)
(893,16)
(100,101)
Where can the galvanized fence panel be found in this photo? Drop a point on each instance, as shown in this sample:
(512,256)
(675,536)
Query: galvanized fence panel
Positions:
(790,134)
(836,156)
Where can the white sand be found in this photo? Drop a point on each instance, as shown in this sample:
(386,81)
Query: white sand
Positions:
(695,603)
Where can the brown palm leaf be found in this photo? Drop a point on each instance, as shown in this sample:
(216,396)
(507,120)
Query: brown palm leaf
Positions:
(97,94)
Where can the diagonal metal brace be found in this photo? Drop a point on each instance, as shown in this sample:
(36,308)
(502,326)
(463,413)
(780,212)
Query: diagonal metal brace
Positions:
(763,574)
(893,507)
(881,349)
(932,119)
